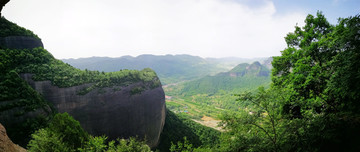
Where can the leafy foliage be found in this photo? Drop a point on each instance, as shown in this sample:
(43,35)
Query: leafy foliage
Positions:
(320,68)
(97,144)
(64,134)
(11,29)
(45,140)
(23,103)
(259,128)
(17,99)
(312,104)
(178,126)
(45,67)
(181,146)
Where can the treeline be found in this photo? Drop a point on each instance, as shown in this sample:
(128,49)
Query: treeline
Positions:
(178,127)
(44,66)
(212,84)
(11,29)
(64,134)
(17,94)
(313,102)
(18,99)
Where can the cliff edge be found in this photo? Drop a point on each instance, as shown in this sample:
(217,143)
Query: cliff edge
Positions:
(34,85)
(117,113)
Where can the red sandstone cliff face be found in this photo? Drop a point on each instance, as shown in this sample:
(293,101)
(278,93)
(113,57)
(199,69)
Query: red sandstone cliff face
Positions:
(20,42)
(6,145)
(116,113)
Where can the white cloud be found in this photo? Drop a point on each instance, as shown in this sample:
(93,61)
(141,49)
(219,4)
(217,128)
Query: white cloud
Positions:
(208,28)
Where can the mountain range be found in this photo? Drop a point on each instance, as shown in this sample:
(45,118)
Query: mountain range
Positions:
(169,68)
(242,77)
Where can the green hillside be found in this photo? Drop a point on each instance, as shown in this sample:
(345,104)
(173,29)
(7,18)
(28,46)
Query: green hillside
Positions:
(18,99)
(240,78)
(11,29)
(212,95)
(179,126)
(170,68)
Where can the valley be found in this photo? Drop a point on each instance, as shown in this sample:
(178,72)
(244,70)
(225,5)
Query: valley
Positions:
(305,99)
(204,97)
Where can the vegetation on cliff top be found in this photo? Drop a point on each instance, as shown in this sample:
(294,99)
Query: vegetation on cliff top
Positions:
(17,95)
(11,29)
(44,66)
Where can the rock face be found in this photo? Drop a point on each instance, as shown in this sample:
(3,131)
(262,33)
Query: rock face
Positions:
(6,145)
(2,4)
(117,113)
(20,42)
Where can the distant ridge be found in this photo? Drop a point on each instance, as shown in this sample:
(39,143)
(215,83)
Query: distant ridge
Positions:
(242,77)
(170,68)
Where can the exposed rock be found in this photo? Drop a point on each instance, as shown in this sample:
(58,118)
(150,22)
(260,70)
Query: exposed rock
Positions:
(6,145)
(268,62)
(10,119)
(244,69)
(2,4)
(117,113)
(20,42)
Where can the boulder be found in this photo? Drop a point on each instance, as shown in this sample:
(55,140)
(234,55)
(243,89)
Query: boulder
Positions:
(6,145)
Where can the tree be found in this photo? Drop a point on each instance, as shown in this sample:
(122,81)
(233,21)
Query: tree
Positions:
(46,140)
(260,127)
(63,133)
(320,69)
(98,144)
(304,67)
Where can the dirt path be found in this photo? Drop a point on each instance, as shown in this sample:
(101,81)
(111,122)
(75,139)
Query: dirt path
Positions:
(209,122)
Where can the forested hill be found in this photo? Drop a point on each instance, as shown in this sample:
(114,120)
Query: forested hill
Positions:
(170,68)
(242,77)
(34,86)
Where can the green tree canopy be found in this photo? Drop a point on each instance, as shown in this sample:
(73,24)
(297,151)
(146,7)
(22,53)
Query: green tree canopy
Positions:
(319,60)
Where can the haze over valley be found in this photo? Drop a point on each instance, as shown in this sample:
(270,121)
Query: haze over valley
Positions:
(179,76)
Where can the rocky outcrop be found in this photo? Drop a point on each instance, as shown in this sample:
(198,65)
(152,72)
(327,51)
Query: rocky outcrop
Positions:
(20,42)
(115,112)
(6,145)
(2,4)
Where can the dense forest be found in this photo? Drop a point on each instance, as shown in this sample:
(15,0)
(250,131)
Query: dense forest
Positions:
(55,132)
(312,103)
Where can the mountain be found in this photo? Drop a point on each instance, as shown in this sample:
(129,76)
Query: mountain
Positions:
(170,68)
(34,86)
(242,77)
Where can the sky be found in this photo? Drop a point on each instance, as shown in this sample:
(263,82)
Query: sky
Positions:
(205,28)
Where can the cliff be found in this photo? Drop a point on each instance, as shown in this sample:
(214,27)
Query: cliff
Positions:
(20,42)
(34,85)
(253,70)
(2,4)
(6,145)
(119,113)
